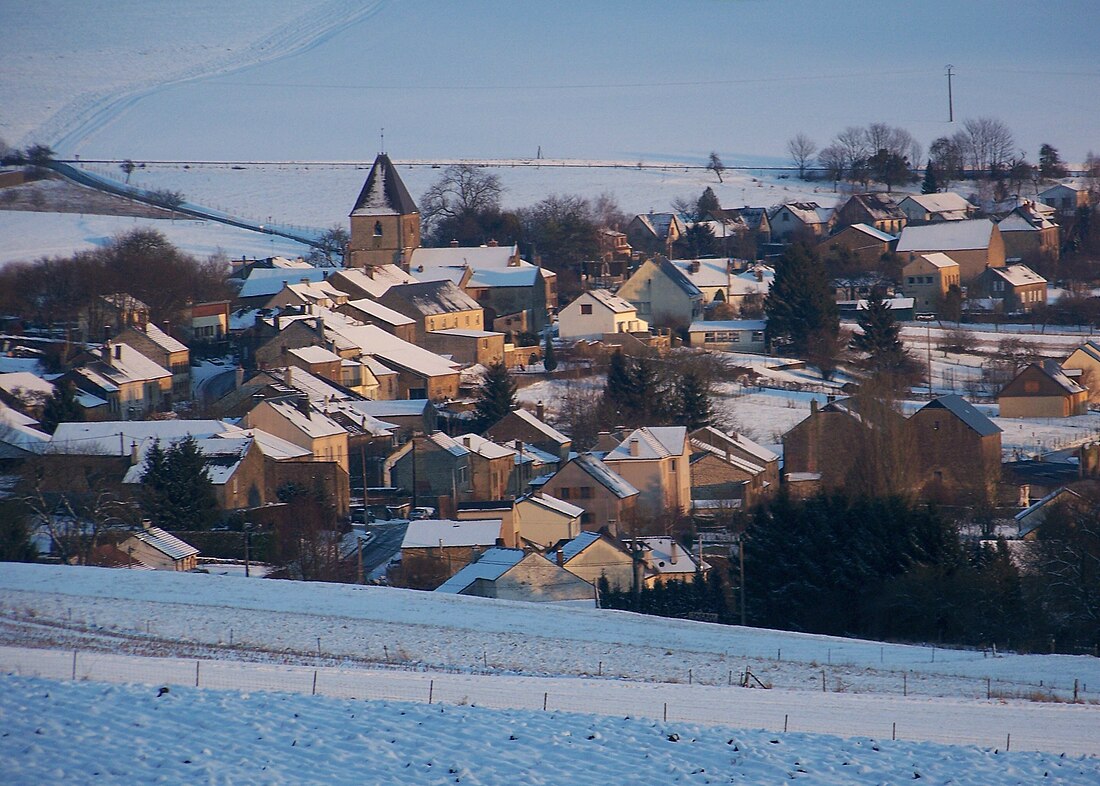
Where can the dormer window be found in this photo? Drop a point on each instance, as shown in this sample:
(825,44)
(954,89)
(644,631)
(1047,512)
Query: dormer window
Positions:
(378,229)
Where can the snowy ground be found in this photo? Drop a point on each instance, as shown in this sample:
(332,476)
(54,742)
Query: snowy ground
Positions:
(59,732)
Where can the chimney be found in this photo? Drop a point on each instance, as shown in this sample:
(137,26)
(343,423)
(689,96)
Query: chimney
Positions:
(304,281)
(634,446)
(540,411)
(673,551)
(166,326)
(454,244)
(118,351)
(813,406)
(238,377)
(146,523)
(105,352)
(759,272)
(278,323)
(303,405)
(695,266)
(492,243)
(1025,496)
(106,334)
(319,326)
(561,558)
(288,376)
(133,453)
(466,441)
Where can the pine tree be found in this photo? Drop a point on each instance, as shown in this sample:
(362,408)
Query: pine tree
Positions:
(617,391)
(694,401)
(880,337)
(1050,163)
(931,183)
(496,397)
(706,203)
(549,359)
(15,534)
(61,407)
(800,306)
(177,493)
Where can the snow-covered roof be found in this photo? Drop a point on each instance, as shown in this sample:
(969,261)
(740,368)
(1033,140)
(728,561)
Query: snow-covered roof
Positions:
(530,419)
(14,382)
(434,297)
(19,430)
(664,556)
(466,333)
(383,194)
(270,445)
(268,281)
(728,324)
(1018,275)
(752,448)
(314,354)
(1028,217)
(486,448)
(509,277)
(356,421)
(1061,187)
(660,223)
(577,545)
(391,350)
(169,545)
(448,443)
(727,456)
(940,260)
(607,298)
(808,212)
(679,278)
(746,283)
(317,388)
(313,424)
(376,310)
(950,236)
(373,280)
(944,202)
(654,442)
(433,533)
(222,456)
(711,272)
(489,566)
(475,258)
(392,409)
(893,303)
(161,339)
(966,412)
(1055,371)
(129,366)
(114,438)
(604,475)
(554,504)
(877,234)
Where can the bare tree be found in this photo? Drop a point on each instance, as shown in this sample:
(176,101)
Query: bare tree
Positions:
(607,212)
(462,188)
(715,165)
(853,141)
(802,150)
(989,143)
(330,248)
(833,160)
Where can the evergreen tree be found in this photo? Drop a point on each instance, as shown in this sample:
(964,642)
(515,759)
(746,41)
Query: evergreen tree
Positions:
(496,397)
(1050,163)
(707,203)
(61,407)
(15,534)
(177,490)
(931,183)
(648,401)
(880,337)
(618,390)
(800,306)
(694,401)
(549,359)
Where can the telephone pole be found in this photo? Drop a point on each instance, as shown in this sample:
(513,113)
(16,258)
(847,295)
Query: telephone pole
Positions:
(950,101)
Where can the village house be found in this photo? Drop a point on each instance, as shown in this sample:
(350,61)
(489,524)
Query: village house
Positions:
(206,322)
(435,469)
(655,233)
(531,428)
(1042,390)
(491,467)
(800,221)
(874,209)
(154,548)
(656,461)
(974,244)
(931,208)
(512,574)
(1083,366)
(529,292)
(132,385)
(592,555)
(608,500)
(300,423)
(20,435)
(957,451)
(307,294)
(666,560)
(262,284)
(467,346)
(435,305)
(1012,289)
(433,550)
(543,520)
(710,276)
(663,294)
(165,351)
(371,312)
(744,335)
(748,290)
(927,278)
(1030,236)
(369,283)
(385,222)
(754,219)
(416,416)
(730,468)
(865,243)
(1030,519)
(596,313)
(1066,198)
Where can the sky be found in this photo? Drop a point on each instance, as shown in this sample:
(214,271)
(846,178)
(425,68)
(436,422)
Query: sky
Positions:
(640,80)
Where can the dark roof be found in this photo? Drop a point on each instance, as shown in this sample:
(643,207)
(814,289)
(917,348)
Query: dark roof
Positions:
(432,297)
(879,205)
(395,197)
(966,412)
(677,276)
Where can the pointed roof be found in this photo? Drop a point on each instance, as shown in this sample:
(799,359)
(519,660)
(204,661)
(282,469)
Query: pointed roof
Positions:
(384,194)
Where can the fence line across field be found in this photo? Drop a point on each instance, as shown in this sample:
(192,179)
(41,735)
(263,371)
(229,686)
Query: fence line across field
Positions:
(1039,726)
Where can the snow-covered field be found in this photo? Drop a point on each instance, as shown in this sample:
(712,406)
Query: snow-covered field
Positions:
(66,732)
(492,692)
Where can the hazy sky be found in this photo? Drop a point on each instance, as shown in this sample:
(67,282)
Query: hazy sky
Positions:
(639,79)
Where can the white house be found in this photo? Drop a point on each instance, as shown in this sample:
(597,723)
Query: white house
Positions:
(597,312)
(928,208)
(739,335)
(1065,198)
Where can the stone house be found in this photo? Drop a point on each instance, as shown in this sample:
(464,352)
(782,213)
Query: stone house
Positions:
(591,555)
(1013,289)
(800,221)
(655,233)
(434,468)
(132,385)
(867,244)
(656,461)
(927,278)
(543,520)
(435,305)
(666,560)
(300,423)
(1042,390)
(370,312)
(512,574)
(1083,366)
(1030,236)
(1066,198)
(608,500)
(957,451)
(385,222)
(874,209)
(531,428)
(165,351)
(467,346)
(433,550)
(662,294)
(491,467)
(975,244)
(728,467)
(932,208)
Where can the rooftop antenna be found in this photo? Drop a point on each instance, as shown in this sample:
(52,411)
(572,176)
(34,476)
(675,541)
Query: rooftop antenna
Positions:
(950,102)
(382,137)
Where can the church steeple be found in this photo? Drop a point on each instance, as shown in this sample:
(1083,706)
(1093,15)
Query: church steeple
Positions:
(385,222)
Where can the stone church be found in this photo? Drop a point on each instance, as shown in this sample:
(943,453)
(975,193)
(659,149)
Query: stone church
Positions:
(385,222)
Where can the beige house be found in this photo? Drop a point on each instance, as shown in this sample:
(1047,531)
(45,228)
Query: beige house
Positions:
(433,550)
(544,519)
(1012,289)
(800,220)
(975,244)
(666,560)
(607,499)
(1030,236)
(302,425)
(931,208)
(663,294)
(866,243)
(591,555)
(467,346)
(165,351)
(153,547)
(307,294)
(1066,198)
(875,209)
(656,461)
(1042,390)
(385,222)
(132,385)
(512,574)
(435,305)
(927,279)
(597,312)
(1083,366)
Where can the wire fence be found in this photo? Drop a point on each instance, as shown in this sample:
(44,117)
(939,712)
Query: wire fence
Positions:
(1073,729)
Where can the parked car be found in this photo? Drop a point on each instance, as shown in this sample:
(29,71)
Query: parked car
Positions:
(422,513)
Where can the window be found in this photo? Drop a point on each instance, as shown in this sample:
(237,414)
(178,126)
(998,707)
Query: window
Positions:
(378,229)
(563,492)
(586,518)
(1031,386)
(586,308)
(912,279)
(586,492)
(758,336)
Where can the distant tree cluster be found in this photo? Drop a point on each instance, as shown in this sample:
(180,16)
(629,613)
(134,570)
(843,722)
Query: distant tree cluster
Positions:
(141,263)
(640,392)
(801,309)
(674,598)
(176,490)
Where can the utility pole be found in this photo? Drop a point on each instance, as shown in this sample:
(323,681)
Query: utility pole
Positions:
(741,559)
(928,342)
(950,101)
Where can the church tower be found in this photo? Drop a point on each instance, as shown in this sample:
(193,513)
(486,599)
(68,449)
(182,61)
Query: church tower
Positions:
(385,222)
